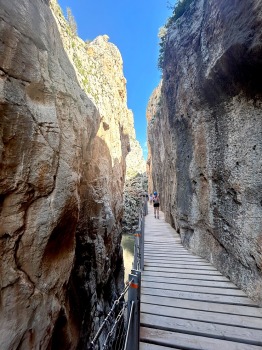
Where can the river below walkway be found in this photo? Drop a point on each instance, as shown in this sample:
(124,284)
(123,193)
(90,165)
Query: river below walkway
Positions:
(128,253)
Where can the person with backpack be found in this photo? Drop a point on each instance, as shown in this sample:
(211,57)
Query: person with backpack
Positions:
(156,202)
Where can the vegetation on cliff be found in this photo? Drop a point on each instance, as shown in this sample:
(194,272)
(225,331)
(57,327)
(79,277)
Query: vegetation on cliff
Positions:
(178,10)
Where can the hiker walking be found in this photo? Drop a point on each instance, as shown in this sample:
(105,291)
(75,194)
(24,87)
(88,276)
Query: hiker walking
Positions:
(156,202)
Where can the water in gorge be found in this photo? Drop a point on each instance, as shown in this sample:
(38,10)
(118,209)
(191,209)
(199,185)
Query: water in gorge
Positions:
(128,253)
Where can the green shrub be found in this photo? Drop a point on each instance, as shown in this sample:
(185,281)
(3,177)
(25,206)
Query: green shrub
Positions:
(162,37)
(162,45)
(178,11)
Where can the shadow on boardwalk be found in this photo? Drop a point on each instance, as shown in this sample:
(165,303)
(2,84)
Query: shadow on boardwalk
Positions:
(186,303)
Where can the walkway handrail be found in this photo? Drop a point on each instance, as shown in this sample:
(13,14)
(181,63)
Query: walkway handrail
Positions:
(133,288)
(109,315)
(132,337)
(128,335)
(139,239)
(116,302)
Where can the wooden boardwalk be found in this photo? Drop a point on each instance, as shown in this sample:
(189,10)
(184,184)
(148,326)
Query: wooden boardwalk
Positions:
(186,303)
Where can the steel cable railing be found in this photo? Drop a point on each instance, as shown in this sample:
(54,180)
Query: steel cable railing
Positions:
(107,320)
(128,333)
(123,329)
(111,337)
(121,333)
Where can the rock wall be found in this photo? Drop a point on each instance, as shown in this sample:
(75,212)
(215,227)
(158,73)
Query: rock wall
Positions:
(206,140)
(135,184)
(99,68)
(47,126)
(64,138)
(98,274)
(152,113)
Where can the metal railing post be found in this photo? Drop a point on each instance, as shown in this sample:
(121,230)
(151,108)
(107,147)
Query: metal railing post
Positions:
(141,244)
(137,309)
(135,253)
(133,302)
(145,207)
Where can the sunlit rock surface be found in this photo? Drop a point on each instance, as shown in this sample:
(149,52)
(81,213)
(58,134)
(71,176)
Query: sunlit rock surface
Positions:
(135,184)
(47,126)
(99,68)
(64,138)
(152,112)
(98,272)
(205,136)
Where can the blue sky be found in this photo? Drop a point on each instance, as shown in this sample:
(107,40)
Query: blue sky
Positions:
(132,25)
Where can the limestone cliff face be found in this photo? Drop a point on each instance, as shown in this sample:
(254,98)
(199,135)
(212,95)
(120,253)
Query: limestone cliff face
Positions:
(64,139)
(99,68)
(97,277)
(206,138)
(152,113)
(135,184)
(47,126)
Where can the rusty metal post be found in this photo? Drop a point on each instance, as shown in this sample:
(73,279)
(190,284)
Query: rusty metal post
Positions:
(132,340)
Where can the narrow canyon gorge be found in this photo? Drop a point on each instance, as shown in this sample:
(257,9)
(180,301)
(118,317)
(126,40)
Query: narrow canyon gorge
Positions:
(72,172)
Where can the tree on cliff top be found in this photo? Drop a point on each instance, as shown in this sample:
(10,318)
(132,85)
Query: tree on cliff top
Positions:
(71,21)
(161,35)
(178,11)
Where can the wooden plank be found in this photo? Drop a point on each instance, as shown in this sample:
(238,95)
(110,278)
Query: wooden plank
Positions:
(166,244)
(206,316)
(167,256)
(167,241)
(188,341)
(175,247)
(156,252)
(186,303)
(170,259)
(179,263)
(193,282)
(183,270)
(183,259)
(148,346)
(153,254)
(195,289)
(199,305)
(211,330)
(185,276)
(152,247)
(161,264)
(222,299)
